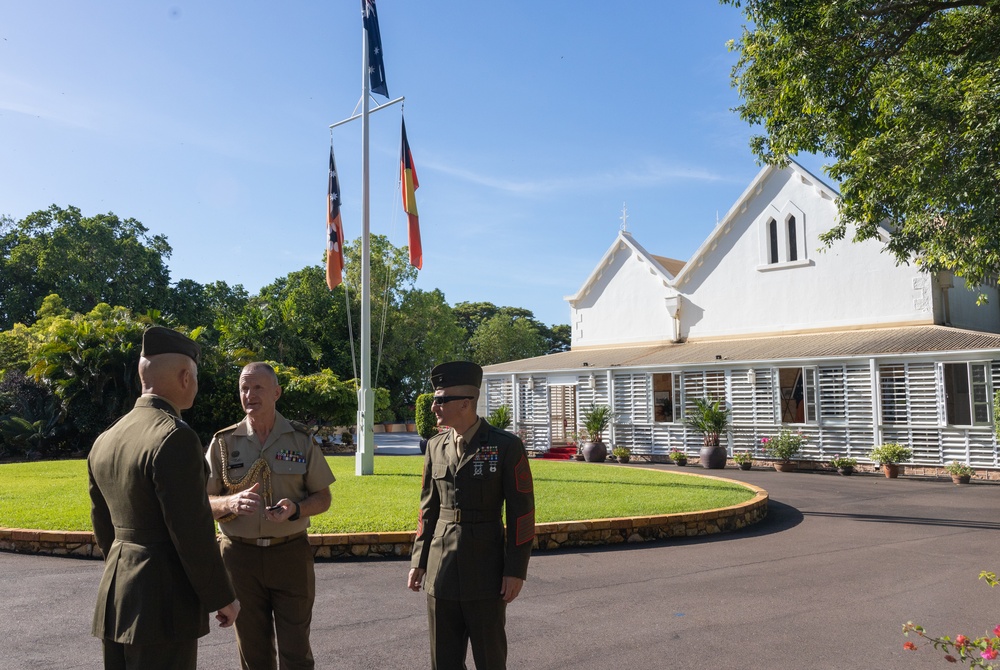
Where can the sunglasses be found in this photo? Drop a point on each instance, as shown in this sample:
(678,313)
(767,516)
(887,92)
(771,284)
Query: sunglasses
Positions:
(442,399)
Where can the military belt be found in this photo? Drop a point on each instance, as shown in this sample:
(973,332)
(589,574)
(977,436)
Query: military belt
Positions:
(456,515)
(266,541)
(141,535)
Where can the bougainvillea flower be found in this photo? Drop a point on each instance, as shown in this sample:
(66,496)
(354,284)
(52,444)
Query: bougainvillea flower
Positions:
(910,646)
(961,640)
(996,631)
(989,654)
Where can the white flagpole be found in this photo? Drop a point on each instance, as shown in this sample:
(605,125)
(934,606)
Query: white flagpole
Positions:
(364,463)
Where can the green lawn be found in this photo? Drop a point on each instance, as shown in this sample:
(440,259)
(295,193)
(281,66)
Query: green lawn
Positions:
(52,495)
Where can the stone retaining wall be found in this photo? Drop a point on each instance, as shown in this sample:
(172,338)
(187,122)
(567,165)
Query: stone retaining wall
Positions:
(395,545)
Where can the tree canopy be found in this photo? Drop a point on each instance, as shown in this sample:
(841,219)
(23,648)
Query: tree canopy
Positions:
(68,357)
(85,260)
(904,98)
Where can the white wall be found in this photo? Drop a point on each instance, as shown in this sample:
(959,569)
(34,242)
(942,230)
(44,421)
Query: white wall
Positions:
(965,313)
(626,304)
(736,291)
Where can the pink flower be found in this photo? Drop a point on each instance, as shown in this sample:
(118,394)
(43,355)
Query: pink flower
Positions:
(909,646)
(765,440)
(989,654)
(961,640)
(996,631)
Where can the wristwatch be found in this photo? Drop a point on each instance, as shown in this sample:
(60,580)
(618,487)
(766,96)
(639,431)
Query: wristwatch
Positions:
(295,517)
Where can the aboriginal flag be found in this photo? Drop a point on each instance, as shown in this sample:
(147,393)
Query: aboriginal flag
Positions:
(376,67)
(334,230)
(408,179)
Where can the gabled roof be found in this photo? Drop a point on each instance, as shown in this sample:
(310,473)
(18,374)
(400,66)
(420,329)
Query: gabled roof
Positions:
(625,240)
(740,206)
(672,271)
(904,341)
(671,265)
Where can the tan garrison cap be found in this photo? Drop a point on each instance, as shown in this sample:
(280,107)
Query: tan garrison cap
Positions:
(160,340)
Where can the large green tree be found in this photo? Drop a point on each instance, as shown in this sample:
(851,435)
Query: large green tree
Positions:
(201,305)
(904,97)
(473,315)
(412,330)
(86,260)
(506,337)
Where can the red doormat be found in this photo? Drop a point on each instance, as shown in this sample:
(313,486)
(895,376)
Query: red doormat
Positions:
(560,454)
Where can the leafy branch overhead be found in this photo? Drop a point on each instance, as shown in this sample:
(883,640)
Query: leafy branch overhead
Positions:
(904,99)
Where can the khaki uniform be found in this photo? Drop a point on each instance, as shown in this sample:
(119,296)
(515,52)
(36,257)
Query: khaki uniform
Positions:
(152,521)
(271,564)
(461,542)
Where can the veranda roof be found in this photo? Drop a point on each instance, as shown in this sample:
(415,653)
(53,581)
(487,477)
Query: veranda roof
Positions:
(904,341)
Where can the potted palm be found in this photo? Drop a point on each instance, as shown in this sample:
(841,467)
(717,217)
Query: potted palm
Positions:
(784,447)
(711,419)
(500,417)
(890,456)
(596,419)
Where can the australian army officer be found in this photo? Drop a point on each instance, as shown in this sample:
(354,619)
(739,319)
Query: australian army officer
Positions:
(162,569)
(267,478)
(461,556)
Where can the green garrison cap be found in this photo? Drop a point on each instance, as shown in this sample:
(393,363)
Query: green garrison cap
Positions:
(160,340)
(457,373)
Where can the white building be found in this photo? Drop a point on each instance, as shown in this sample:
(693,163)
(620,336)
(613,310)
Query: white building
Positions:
(840,343)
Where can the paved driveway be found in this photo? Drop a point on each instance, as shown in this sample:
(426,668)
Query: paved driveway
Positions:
(824,583)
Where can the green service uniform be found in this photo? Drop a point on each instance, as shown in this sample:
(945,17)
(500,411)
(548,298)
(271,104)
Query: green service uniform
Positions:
(153,523)
(271,564)
(461,543)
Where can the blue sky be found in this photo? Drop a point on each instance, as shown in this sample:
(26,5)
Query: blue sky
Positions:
(530,123)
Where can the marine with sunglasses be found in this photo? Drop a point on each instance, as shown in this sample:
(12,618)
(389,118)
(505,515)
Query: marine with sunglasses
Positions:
(461,556)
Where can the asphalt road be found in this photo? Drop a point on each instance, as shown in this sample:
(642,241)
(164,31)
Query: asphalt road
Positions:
(826,582)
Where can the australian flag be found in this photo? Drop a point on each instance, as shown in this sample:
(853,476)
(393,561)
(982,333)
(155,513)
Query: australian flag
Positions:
(376,67)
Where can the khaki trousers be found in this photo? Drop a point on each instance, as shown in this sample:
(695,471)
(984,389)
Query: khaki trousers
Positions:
(276,587)
(453,624)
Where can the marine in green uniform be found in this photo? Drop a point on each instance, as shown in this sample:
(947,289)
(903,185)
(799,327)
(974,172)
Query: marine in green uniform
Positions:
(152,521)
(267,477)
(469,567)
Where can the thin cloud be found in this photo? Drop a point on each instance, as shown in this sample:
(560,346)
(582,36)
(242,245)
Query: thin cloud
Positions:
(652,174)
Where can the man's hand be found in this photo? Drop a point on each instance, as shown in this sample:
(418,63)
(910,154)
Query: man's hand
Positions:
(510,587)
(246,502)
(415,579)
(284,509)
(227,615)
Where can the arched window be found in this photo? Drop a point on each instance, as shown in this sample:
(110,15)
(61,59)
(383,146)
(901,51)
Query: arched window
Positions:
(793,253)
(772,238)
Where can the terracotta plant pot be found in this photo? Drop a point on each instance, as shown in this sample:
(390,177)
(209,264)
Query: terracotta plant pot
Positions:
(785,466)
(846,470)
(891,470)
(680,461)
(961,479)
